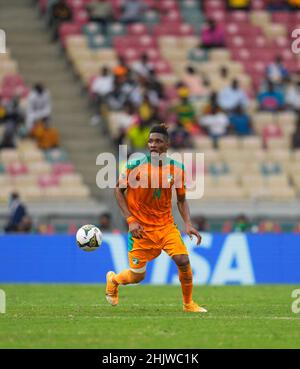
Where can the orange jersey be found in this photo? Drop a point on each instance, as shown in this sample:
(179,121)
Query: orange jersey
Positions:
(149,190)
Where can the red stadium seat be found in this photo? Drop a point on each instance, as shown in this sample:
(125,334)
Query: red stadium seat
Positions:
(171,16)
(130,54)
(43,5)
(48,180)
(162,67)
(281,17)
(213,5)
(237,16)
(80,16)
(167,5)
(173,29)
(258,4)
(137,29)
(68,29)
(16,168)
(75,4)
(62,168)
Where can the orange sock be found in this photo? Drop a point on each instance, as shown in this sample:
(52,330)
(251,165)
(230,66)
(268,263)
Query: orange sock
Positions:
(127,277)
(186,279)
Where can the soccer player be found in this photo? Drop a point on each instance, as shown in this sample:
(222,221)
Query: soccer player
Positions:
(148,211)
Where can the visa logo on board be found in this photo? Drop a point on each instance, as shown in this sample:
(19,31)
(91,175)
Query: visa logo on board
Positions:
(233,265)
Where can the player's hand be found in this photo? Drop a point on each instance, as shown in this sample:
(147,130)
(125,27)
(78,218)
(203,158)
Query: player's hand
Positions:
(136,229)
(190,230)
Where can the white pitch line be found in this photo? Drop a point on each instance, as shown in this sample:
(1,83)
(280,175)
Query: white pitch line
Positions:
(205,316)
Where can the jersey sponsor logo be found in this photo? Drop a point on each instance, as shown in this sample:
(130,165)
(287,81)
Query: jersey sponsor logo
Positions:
(135,261)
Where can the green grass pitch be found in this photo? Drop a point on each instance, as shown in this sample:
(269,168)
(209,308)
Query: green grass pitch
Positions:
(77,316)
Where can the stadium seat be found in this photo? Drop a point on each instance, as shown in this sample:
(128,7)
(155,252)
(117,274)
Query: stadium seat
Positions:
(260,18)
(229,143)
(5,180)
(9,156)
(71,179)
(202,142)
(24,179)
(251,143)
(39,167)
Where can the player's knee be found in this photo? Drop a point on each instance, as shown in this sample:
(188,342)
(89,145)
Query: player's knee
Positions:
(138,277)
(181,260)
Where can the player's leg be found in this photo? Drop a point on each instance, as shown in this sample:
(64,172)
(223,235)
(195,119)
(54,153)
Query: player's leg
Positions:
(176,249)
(138,255)
(185,275)
(127,276)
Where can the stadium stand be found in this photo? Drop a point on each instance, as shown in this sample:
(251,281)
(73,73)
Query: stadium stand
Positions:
(253,160)
(253,39)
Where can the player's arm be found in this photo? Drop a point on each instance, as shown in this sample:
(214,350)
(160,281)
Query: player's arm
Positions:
(184,211)
(134,227)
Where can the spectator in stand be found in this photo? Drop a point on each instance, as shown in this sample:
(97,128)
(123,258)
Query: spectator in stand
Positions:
(274,5)
(212,35)
(102,85)
(132,11)
(3,110)
(276,71)
(212,104)
(143,67)
(296,136)
(242,224)
(128,117)
(185,111)
(59,12)
(38,106)
(100,11)
(140,88)
(201,223)
(216,124)
(271,99)
(292,97)
(155,85)
(46,136)
(238,4)
(224,78)
(105,222)
(180,138)
(8,140)
(137,136)
(240,122)
(11,121)
(25,225)
(117,98)
(230,97)
(194,83)
(294,4)
(146,110)
(17,213)
(14,111)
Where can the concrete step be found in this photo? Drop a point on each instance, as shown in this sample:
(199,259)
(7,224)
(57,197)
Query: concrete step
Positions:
(80,131)
(42,60)
(89,146)
(68,119)
(31,38)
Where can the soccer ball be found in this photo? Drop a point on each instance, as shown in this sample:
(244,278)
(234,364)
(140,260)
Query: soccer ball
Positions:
(89,237)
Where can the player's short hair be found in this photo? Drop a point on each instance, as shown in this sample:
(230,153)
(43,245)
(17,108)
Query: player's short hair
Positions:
(160,128)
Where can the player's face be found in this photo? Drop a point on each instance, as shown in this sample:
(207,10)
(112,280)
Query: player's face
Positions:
(157,143)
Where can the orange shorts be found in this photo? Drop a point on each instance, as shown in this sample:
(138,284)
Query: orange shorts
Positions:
(142,250)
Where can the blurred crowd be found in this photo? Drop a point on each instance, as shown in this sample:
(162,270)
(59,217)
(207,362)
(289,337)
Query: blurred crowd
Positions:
(32,118)
(140,98)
